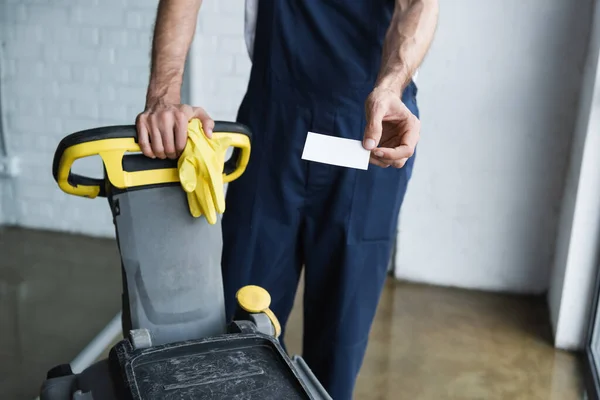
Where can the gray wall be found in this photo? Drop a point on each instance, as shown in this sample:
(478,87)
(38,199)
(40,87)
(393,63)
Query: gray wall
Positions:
(499,96)
(577,253)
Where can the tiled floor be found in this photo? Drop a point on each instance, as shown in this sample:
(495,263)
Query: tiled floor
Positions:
(57,291)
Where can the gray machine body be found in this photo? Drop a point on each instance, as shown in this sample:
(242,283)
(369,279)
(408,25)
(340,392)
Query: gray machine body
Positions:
(173,289)
(172,265)
(173,302)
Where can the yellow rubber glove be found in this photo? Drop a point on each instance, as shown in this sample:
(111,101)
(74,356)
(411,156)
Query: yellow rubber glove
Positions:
(201,172)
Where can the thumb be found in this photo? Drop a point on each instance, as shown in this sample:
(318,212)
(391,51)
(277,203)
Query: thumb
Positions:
(375,113)
(198,112)
(207,122)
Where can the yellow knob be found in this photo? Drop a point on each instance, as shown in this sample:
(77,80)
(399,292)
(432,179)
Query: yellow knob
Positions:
(253,299)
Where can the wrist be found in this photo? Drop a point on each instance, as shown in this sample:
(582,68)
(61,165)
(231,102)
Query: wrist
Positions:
(394,80)
(160,92)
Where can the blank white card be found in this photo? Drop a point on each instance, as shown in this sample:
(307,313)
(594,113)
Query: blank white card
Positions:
(335,151)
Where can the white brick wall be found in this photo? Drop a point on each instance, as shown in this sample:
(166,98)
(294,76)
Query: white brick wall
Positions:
(72,65)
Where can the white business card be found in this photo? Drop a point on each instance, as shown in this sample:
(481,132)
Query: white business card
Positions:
(335,151)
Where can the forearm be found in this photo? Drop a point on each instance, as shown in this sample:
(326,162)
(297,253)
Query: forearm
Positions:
(173,34)
(407,41)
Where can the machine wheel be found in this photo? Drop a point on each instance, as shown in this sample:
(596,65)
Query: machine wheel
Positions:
(79,395)
(59,371)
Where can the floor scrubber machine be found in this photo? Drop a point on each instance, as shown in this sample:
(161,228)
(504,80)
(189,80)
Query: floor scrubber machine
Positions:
(177,343)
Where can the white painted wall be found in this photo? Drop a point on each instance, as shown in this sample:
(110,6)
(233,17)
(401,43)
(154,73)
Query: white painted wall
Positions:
(77,65)
(219,62)
(576,262)
(498,95)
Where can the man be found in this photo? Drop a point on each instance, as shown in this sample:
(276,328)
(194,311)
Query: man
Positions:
(334,67)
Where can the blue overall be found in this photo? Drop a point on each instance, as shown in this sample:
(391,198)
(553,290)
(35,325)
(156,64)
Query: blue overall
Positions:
(314,64)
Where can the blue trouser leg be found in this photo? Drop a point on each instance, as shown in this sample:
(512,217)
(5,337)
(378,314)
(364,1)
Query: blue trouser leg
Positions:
(263,213)
(345,274)
(340,223)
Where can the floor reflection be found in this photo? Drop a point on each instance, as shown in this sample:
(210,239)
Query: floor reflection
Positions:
(431,343)
(58,291)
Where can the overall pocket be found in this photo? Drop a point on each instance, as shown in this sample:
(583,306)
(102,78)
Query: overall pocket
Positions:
(377,196)
(378,193)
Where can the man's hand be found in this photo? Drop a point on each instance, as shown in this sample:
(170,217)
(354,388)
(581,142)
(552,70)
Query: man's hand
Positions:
(392,130)
(162,128)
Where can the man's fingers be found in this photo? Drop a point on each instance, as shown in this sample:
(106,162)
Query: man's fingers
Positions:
(386,163)
(413,134)
(375,161)
(156,137)
(408,143)
(181,124)
(167,130)
(394,154)
(400,163)
(142,133)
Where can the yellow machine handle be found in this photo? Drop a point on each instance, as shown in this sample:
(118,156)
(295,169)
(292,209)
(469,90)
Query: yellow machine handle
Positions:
(113,142)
